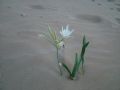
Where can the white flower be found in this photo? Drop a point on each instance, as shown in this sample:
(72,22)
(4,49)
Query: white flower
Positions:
(66,32)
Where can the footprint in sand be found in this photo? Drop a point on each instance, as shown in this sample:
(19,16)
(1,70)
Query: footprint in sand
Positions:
(90,18)
(117,4)
(118,9)
(99,4)
(39,7)
(110,0)
(111,8)
(93,0)
(118,20)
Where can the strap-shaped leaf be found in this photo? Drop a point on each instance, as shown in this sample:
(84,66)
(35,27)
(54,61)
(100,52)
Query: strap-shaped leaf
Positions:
(84,39)
(86,44)
(75,68)
(66,67)
(79,63)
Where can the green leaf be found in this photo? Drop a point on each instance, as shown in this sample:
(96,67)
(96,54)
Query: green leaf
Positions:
(86,44)
(84,39)
(74,71)
(79,62)
(66,67)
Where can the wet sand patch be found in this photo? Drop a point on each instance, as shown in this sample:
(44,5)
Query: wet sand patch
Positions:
(90,18)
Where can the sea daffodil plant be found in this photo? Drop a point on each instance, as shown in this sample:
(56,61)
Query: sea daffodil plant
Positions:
(59,42)
(56,41)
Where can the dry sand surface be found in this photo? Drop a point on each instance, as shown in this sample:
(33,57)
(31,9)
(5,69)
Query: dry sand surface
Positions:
(28,62)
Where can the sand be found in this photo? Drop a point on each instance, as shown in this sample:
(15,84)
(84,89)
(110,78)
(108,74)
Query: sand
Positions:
(28,62)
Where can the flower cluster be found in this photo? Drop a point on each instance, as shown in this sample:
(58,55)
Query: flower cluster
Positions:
(54,39)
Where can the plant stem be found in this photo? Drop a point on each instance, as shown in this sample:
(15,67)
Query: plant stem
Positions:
(59,61)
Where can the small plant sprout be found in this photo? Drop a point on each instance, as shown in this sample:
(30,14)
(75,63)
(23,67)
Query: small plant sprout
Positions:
(66,33)
(56,41)
(79,60)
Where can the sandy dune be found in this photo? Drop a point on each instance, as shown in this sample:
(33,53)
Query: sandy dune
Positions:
(28,62)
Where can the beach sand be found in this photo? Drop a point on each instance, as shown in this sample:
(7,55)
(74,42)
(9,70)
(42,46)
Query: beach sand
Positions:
(28,62)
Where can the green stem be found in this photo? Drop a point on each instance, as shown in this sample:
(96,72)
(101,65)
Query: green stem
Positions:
(58,61)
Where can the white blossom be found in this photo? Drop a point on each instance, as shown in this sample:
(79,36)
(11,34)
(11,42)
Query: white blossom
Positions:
(66,33)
